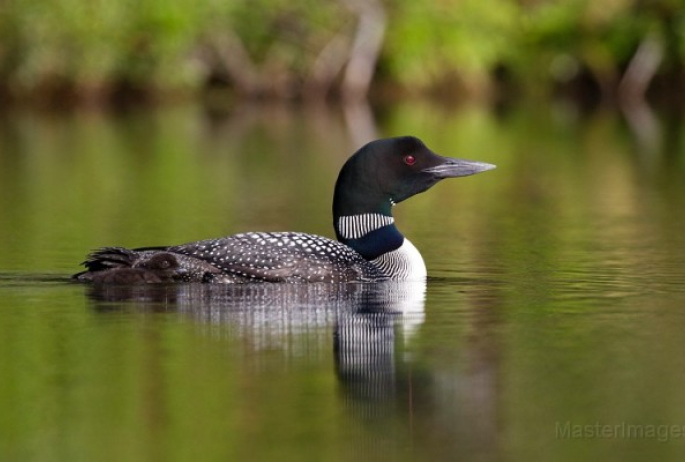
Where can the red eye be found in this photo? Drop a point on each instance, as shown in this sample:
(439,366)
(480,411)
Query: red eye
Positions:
(409,160)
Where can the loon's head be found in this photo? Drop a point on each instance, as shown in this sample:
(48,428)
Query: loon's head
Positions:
(385,172)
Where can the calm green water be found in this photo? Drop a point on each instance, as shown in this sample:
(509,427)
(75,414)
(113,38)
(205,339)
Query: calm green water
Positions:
(552,326)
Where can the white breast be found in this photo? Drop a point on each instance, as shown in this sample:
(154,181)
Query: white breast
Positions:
(404,263)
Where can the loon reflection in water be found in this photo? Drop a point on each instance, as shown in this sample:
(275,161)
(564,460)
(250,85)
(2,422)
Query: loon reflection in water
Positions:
(270,309)
(365,319)
(369,248)
(390,377)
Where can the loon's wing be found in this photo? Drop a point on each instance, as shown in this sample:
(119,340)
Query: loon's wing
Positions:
(281,257)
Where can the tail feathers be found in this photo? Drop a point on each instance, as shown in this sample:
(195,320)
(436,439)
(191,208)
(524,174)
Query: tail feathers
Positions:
(129,266)
(105,258)
(116,257)
(110,257)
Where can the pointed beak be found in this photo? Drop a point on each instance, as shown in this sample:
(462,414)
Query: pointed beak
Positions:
(452,168)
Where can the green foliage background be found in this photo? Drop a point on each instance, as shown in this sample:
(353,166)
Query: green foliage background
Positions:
(95,46)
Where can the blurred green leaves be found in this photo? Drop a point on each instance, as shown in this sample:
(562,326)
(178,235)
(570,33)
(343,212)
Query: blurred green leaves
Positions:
(280,47)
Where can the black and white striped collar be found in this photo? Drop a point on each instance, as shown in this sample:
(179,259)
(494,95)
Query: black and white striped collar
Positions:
(357,226)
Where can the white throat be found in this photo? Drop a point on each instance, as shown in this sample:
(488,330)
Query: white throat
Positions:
(403,264)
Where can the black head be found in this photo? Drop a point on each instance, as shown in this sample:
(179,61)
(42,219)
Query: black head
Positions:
(388,171)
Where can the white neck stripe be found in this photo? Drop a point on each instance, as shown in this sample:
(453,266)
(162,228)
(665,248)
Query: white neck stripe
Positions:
(356,226)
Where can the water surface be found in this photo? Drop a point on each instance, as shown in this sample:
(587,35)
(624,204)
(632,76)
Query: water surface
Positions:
(551,327)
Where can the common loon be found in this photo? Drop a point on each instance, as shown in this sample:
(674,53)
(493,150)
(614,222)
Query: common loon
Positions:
(369,247)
